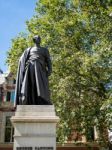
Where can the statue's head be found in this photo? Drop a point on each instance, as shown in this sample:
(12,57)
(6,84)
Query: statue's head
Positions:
(37,39)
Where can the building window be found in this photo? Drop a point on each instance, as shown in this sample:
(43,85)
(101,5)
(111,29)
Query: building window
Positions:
(8,96)
(9,130)
(1,94)
(14,81)
(12,96)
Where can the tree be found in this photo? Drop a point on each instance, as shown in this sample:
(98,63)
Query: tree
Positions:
(78,35)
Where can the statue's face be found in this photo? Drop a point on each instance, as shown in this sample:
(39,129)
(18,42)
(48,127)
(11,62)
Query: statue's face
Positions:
(37,39)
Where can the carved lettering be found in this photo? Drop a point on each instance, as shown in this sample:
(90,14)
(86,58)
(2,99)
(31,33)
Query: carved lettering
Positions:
(36,148)
(24,148)
(43,148)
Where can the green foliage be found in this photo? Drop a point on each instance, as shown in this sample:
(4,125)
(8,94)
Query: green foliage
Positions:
(78,34)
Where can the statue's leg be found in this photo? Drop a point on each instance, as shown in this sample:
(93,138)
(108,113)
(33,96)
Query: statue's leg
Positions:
(32,88)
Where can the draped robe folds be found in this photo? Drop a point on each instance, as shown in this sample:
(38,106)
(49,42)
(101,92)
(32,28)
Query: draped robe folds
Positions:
(32,79)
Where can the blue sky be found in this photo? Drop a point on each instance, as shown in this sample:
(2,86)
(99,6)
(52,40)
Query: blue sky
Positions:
(13,15)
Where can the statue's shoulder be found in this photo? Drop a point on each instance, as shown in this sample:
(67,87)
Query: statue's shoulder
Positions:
(28,49)
(25,53)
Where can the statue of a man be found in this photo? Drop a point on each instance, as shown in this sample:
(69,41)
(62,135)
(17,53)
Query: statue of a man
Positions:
(32,76)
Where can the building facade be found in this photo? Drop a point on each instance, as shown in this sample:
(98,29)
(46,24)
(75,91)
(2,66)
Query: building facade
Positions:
(7,90)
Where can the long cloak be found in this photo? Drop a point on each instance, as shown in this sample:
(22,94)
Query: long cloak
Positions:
(21,73)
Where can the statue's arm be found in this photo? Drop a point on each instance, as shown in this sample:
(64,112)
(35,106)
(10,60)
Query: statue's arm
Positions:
(48,62)
(20,75)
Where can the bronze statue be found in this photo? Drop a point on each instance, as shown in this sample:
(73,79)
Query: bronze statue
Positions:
(32,76)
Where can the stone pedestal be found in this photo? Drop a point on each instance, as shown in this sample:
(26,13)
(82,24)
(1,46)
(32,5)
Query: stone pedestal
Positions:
(35,127)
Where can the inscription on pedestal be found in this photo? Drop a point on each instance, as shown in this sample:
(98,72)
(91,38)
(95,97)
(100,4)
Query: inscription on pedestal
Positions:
(43,148)
(24,148)
(36,148)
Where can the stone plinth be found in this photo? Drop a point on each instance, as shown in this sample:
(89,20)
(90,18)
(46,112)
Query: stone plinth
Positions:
(35,127)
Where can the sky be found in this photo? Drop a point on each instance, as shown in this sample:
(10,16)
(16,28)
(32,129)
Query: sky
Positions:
(13,15)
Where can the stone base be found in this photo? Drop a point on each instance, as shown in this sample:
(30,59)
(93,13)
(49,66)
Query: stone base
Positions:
(35,127)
